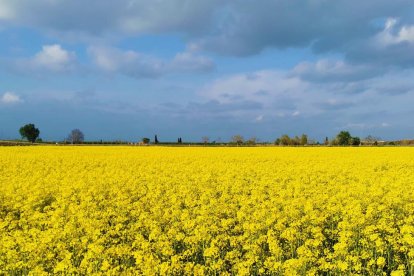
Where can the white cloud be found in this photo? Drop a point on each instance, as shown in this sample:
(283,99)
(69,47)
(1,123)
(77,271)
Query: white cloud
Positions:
(391,35)
(326,70)
(52,58)
(138,65)
(99,17)
(187,61)
(259,118)
(285,94)
(236,27)
(6,11)
(130,63)
(258,86)
(278,93)
(10,98)
(406,34)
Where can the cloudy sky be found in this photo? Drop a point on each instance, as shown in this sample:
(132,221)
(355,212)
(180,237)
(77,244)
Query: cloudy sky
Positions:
(127,69)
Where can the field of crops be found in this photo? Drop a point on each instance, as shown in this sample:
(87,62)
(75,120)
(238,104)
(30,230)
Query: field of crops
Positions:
(206,211)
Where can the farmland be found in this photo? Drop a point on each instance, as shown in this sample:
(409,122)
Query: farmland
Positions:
(206,211)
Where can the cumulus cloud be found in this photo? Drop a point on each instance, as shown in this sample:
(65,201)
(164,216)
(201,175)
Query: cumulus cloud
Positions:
(52,58)
(335,104)
(390,36)
(215,106)
(138,65)
(130,63)
(277,93)
(236,27)
(334,71)
(372,42)
(289,94)
(100,17)
(323,25)
(259,118)
(10,98)
(255,85)
(6,11)
(393,46)
(190,62)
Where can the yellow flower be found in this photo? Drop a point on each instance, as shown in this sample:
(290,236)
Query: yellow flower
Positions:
(206,211)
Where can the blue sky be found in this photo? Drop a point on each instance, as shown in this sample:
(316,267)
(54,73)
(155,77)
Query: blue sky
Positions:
(129,69)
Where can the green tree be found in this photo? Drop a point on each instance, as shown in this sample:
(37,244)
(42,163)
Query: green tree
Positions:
(30,132)
(295,141)
(344,138)
(252,141)
(145,140)
(355,141)
(304,139)
(285,140)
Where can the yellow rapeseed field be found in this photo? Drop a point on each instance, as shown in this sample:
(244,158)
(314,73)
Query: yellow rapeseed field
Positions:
(206,211)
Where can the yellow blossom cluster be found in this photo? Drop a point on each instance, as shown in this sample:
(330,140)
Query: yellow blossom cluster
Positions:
(206,211)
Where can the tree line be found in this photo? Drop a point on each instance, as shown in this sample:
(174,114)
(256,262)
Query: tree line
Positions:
(31,133)
(343,138)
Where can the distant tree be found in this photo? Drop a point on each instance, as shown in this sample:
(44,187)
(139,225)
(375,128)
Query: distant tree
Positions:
(30,132)
(285,140)
(295,141)
(205,139)
(179,140)
(237,139)
(277,141)
(304,139)
(326,141)
(156,139)
(344,138)
(371,140)
(145,140)
(252,141)
(76,136)
(404,142)
(333,142)
(355,141)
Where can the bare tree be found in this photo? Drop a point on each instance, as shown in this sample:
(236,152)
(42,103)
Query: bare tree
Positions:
(371,140)
(237,139)
(205,139)
(76,136)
